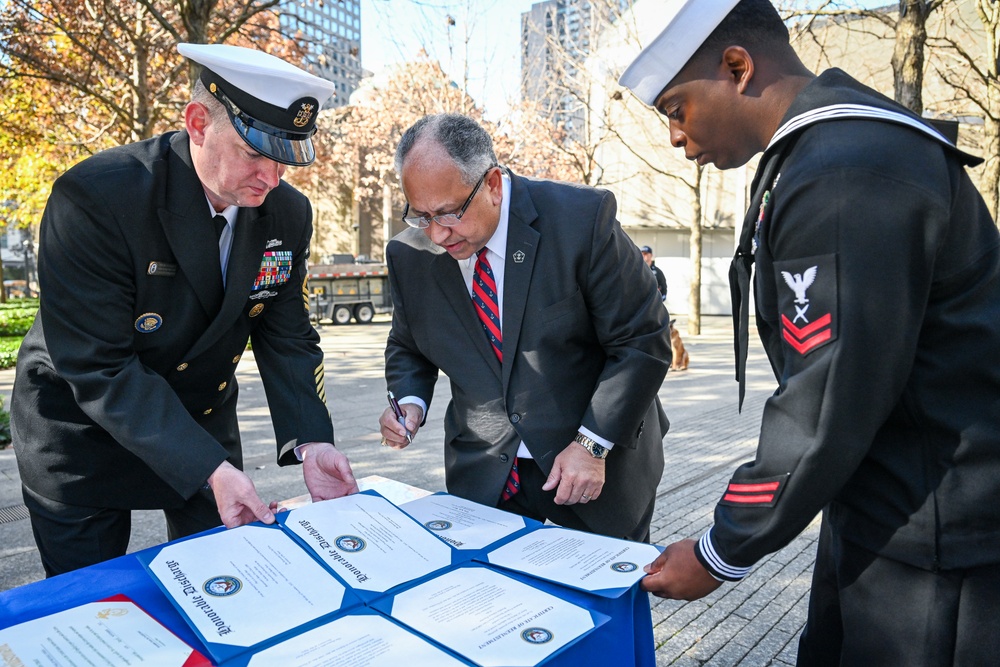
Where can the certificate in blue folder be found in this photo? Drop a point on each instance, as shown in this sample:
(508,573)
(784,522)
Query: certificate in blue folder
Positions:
(244,588)
(490,618)
(368,542)
(466,525)
(361,638)
(597,564)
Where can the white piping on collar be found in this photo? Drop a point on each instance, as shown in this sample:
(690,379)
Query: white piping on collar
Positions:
(837,111)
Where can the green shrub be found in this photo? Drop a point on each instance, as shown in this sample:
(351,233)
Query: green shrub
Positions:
(9,345)
(4,425)
(16,317)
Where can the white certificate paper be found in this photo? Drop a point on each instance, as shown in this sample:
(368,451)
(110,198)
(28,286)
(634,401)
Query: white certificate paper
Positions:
(109,632)
(579,560)
(490,618)
(355,641)
(242,586)
(463,523)
(368,541)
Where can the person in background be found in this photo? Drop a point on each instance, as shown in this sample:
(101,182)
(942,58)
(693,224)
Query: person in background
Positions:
(661,280)
(537,306)
(157,261)
(877,293)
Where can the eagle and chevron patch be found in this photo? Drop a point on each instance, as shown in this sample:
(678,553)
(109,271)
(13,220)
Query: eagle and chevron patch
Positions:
(807,301)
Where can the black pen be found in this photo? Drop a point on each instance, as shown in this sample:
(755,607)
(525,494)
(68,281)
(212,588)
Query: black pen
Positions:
(400,416)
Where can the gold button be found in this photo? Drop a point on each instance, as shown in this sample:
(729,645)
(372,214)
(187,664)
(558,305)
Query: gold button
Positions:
(236,359)
(222,386)
(207,412)
(182,366)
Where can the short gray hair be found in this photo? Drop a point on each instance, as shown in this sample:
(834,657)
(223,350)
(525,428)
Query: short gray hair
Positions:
(217,112)
(467,143)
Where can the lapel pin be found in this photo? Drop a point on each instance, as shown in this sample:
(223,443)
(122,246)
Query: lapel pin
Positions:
(518,257)
(148,322)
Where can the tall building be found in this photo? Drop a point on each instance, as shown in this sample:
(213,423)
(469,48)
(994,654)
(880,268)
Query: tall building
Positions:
(556,38)
(330,31)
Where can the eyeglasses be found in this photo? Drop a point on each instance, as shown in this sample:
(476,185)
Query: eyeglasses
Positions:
(448,219)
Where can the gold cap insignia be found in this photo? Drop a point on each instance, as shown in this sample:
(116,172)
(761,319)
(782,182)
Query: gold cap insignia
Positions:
(304,115)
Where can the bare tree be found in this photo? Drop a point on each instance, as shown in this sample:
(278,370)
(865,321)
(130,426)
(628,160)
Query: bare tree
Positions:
(975,78)
(557,83)
(955,51)
(909,25)
(690,180)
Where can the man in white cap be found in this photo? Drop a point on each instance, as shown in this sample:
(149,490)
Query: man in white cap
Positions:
(157,262)
(877,290)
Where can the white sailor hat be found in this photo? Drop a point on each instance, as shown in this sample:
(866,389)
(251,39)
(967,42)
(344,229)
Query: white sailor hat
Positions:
(686,26)
(272,104)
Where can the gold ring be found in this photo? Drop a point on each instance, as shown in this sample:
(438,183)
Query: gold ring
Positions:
(384,443)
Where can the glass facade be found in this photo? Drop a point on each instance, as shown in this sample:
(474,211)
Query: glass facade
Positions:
(330,31)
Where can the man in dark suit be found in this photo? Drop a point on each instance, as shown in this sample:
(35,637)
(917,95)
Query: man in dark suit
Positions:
(661,280)
(125,394)
(538,307)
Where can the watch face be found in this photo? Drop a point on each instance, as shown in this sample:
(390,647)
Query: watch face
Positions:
(598,451)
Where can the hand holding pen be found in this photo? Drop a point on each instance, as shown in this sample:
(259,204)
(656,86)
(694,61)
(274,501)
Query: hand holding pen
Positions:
(400,416)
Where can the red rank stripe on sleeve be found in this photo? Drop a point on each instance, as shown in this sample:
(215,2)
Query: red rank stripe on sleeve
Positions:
(806,338)
(752,494)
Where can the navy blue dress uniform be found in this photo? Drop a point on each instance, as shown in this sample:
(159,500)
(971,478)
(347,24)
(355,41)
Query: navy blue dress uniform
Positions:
(877,294)
(125,394)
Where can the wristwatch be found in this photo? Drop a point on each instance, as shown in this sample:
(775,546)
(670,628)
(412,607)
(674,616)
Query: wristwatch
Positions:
(597,450)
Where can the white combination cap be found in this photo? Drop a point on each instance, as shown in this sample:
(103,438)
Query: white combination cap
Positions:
(272,104)
(686,24)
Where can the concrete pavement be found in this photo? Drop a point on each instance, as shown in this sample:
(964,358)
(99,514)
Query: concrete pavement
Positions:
(755,622)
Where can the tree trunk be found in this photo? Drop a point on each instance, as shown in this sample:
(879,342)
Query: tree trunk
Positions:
(386,217)
(141,128)
(694,296)
(195,15)
(908,54)
(989,185)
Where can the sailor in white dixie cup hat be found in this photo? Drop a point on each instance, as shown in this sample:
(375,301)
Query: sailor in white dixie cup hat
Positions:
(865,245)
(272,104)
(686,24)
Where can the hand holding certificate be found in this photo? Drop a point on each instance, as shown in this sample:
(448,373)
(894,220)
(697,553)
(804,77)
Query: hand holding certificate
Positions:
(594,563)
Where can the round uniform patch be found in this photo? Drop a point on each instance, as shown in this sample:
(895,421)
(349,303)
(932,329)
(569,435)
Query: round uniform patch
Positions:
(255,311)
(148,323)
(536,635)
(223,586)
(350,543)
(624,567)
(438,524)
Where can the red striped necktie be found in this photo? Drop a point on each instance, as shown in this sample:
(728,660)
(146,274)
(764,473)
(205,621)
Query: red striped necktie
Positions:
(484,296)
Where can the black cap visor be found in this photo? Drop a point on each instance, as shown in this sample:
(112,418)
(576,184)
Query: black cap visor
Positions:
(281,145)
(284,147)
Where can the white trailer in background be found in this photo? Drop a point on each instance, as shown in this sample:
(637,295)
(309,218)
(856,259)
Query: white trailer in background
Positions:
(338,292)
